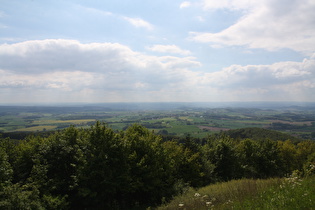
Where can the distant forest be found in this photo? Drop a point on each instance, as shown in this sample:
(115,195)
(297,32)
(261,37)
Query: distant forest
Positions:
(100,168)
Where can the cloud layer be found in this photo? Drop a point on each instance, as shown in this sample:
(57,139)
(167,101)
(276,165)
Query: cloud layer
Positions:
(265,24)
(70,71)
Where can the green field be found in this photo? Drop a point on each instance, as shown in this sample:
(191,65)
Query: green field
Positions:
(194,121)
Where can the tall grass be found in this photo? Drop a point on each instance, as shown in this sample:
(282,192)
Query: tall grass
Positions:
(293,193)
(220,195)
(286,193)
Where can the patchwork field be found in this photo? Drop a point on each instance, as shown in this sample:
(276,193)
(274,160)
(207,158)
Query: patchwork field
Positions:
(75,122)
(173,120)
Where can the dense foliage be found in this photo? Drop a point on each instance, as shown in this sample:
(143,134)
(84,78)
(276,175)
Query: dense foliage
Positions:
(259,134)
(98,168)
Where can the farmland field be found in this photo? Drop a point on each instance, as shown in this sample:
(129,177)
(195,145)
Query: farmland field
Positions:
(177,119)
(76,122)
(37,128)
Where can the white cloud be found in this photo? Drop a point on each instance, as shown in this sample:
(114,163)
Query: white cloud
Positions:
(169,49)
(68,65)
(67,70)
(136,22)
(263,76)
(185,4)
(279,81)
(64,81)
(139,23)
(56,54)
(266,24)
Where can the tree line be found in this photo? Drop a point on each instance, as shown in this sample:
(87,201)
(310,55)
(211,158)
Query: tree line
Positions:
(99,168)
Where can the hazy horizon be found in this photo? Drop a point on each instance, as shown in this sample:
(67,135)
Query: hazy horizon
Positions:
(167,105)
(229,51)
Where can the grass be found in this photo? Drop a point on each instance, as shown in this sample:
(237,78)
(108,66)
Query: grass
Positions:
(286,193)
(293,193)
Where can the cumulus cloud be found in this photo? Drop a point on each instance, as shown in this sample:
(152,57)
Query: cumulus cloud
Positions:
(263,76)
(266,24)
(169,49)
(71,65)
(68,70)
(139,23)
(279,81)
(55,55)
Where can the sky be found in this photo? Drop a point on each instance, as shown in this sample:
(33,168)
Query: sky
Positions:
(94,51)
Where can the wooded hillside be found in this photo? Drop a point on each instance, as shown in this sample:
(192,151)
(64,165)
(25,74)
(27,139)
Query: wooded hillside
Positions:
(98,168)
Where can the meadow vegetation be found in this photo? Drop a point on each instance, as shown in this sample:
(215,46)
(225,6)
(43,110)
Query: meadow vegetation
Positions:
(292,192)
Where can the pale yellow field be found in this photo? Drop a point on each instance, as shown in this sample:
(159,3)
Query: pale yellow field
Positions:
(185,118)
(38,128)
(63,121)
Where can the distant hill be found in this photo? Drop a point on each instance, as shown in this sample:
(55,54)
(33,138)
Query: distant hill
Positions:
(259,134)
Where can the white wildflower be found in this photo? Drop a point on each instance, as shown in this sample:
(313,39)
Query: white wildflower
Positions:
(197,195)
